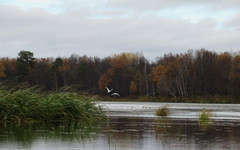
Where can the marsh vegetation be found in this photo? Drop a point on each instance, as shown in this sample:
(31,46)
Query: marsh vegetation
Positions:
(26,105)
(162,111)
(204,116)
(204,119)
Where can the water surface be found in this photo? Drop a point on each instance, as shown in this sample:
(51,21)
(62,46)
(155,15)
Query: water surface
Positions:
(132,129)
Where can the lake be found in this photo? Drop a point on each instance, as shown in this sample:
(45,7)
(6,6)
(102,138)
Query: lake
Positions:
(133,125)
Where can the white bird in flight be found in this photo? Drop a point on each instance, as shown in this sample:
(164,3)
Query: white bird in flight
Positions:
(116,94)
(109,90)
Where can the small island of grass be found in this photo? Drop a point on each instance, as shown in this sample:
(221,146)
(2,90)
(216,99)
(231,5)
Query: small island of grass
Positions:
(163,111)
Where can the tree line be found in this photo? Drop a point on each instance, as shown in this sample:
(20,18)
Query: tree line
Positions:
(194,73)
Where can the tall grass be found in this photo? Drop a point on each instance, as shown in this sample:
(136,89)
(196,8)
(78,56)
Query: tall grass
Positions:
(204,119)
(25,105)
(204,116)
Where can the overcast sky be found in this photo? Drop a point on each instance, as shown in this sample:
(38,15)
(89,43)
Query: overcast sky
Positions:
(52,28)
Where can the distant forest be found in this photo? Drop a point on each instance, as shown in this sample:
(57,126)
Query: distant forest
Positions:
(194,73)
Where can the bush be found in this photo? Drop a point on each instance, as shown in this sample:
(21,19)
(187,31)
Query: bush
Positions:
(163,111)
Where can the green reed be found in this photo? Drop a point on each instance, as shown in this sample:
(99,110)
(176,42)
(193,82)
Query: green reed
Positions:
(26,105)
(204,119)
(204,116)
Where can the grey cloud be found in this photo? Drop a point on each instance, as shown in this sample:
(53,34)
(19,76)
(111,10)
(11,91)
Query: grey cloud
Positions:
(158,4)
(52,35)
(234,22)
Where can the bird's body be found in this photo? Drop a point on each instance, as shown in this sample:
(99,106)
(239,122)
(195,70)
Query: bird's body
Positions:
(109,91)
(113,94)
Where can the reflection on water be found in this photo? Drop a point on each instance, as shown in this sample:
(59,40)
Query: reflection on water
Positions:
(123,133)
(34,136)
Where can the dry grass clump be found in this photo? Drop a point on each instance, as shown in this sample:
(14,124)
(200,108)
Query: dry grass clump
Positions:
(163,111)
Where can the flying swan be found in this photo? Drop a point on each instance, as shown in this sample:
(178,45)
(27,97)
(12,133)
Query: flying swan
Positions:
(116,94)
(109,90)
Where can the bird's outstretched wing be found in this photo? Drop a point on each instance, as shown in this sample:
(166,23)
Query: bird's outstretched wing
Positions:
(116,94)
(109,90)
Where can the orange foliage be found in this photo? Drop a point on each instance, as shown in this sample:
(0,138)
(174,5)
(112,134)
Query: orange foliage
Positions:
(157,72)
(9,64)
(133,87)
(2,69)
(45,61)
(124,59)
(110,72)
(65,66)
(103,82)
(64,69)
(224,57)
(116,62)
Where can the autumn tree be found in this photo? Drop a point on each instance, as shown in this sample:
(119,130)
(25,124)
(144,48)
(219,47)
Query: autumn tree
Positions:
(2,69)
(103,82)
(9,67)
(133,87)
(159,76)
(119,73)
(136,80)
(179,73)
(175,74)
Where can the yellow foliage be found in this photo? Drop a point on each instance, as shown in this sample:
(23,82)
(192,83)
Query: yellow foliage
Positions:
(9,64)
(65,66)
(121,60)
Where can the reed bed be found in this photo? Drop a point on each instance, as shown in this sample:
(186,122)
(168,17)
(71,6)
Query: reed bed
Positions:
(26,105)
